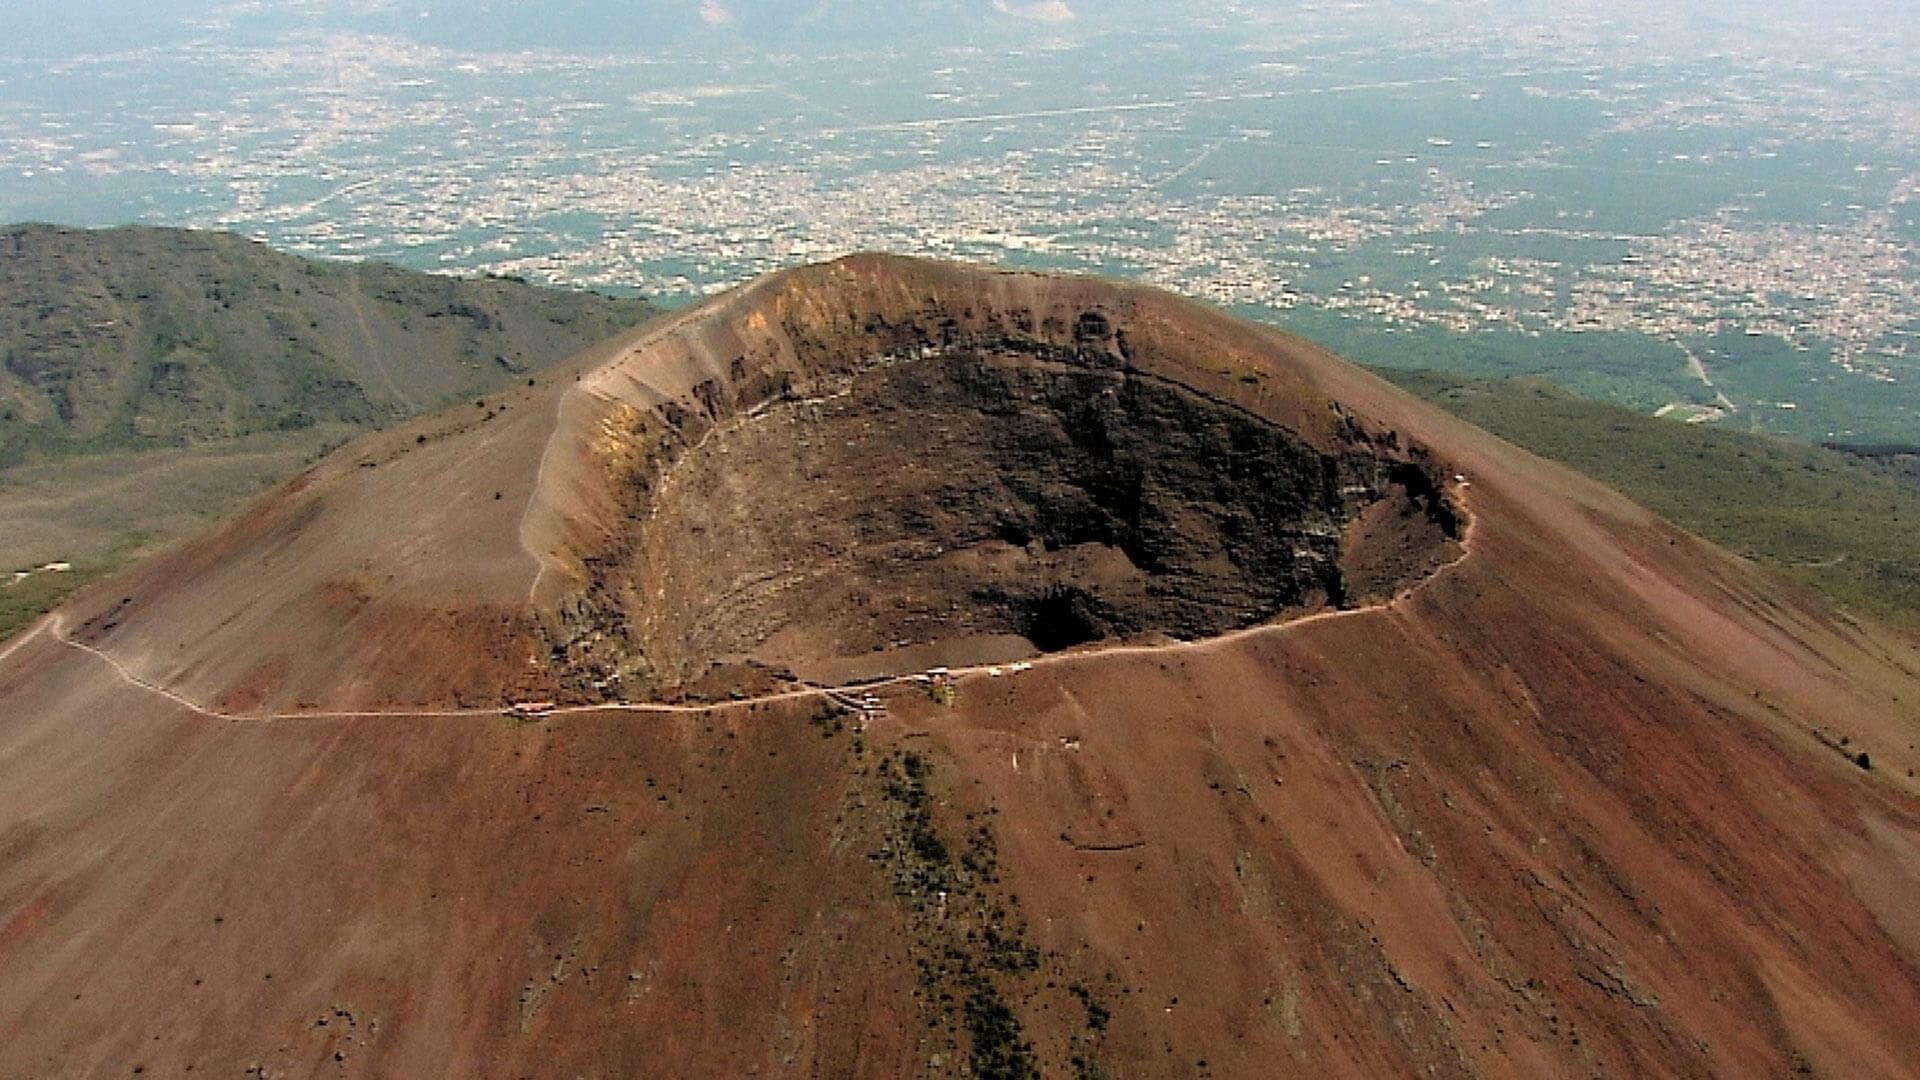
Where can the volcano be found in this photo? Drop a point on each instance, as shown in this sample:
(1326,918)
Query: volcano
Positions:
(898,668)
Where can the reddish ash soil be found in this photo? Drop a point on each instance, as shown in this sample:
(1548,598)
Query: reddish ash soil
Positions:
(1355,741)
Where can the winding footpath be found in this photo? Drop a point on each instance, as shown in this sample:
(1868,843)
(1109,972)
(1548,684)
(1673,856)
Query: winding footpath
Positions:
(54,624)
(31,633)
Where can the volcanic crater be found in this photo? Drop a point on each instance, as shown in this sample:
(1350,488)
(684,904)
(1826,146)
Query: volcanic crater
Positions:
(1569,807)
(960,477)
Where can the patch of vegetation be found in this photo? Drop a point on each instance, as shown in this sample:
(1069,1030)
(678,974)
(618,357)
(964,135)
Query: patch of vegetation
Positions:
(830,718)
(1098,1016)
(138,339)
(25,600)
(970,950)
(1899,462)
(1814,514)
(1087,1039)
(21,602)
(998,1050)
(977,972)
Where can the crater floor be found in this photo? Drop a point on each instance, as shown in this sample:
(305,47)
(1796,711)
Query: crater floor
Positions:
(966,504)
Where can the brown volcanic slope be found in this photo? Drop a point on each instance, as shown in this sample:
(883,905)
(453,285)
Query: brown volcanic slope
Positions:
(1531,784)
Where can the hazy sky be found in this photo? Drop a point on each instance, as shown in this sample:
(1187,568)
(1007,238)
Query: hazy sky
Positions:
(38,28)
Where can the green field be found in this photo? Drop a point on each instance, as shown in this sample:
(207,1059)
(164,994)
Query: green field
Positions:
(22,602)
(1816,515)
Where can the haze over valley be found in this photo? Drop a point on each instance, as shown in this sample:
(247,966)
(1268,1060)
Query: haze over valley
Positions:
(1710,214)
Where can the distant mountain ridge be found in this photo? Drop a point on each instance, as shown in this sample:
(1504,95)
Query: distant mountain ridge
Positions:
(151,379)
(141,338)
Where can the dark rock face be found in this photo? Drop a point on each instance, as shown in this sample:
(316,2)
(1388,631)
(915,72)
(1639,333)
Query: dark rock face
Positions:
(1202,518)
(877,456)
(957,493)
